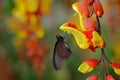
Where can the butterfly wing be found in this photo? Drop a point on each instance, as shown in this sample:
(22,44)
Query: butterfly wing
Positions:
(61,53)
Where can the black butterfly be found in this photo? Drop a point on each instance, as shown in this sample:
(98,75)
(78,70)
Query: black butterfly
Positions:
(61,53)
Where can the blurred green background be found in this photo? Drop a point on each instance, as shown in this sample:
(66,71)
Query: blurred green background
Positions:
(27,39)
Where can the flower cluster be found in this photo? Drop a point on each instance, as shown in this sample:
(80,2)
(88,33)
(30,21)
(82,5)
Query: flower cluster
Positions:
(88,35)
(25,23)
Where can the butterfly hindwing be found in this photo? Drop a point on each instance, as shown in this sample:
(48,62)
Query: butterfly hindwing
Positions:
(61,53)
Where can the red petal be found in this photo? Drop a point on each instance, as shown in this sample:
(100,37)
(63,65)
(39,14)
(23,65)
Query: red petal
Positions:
(92,48)
(88,35)
(93,77)
(82,7)
(71,25)
(98,8)
(89,24)
(115,65)
(92,62)
(109,77)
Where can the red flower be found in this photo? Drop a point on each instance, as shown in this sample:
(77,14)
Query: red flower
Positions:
(92,62)
(109,77)
(93,77)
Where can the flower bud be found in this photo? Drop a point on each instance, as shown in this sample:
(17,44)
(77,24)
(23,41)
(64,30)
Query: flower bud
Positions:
(93,77)
(88,66)
(116,67)
(98,10)
(109,77)
(89,1)
(83,8)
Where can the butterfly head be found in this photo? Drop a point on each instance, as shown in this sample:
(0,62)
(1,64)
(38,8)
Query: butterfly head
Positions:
(59,37)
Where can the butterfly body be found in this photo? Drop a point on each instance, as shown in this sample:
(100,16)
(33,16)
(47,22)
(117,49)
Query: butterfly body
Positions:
(61,53)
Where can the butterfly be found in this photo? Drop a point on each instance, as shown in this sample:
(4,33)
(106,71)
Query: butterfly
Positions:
(61,53)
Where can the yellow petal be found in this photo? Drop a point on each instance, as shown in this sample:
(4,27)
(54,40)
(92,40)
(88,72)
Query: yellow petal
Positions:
(117,71)
(79,36)
(97,40)
(75,8)
(84,68)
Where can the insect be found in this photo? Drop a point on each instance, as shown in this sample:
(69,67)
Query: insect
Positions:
(61,53)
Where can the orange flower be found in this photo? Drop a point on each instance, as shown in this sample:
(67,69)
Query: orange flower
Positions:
(88,66)
(84,34)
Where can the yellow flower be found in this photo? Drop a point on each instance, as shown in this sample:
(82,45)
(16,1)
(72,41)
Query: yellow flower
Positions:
(84,34)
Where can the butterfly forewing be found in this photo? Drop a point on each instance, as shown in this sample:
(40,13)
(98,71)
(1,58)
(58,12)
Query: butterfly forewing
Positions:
(61,53)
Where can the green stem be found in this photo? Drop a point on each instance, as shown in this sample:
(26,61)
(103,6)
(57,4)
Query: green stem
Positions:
(101,69)
(98,27)
(103,53)
(104,61)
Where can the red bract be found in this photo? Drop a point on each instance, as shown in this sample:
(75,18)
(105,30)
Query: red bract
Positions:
(92,62)
(98,10)
(83,8)
(109,77)
(93,77)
